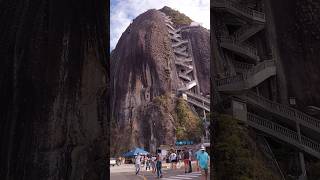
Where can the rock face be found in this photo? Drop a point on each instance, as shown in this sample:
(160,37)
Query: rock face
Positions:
(53,87)
(200,42)
(298,35)
(144,82)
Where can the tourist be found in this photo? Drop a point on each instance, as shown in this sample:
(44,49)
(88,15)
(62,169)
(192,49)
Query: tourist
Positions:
(203,160)
(173,159)
(190,161)
(186,160)
(138,163)
(148,162)
(158,166)
(179,160)
(153,163)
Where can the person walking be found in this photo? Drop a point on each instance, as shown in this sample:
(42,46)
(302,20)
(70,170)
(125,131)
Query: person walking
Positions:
(138,163)
(153,163)
(148,162)
(203,160)
(173,159)
(179,160)
(190,161)
(158,166)
(186,160)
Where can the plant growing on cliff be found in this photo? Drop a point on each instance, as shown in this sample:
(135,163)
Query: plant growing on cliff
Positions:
(236,157)
(231,154)
(177,17)
(188,125)
(163,100)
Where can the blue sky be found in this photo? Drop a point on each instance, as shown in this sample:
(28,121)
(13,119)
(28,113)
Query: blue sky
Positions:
(122,12)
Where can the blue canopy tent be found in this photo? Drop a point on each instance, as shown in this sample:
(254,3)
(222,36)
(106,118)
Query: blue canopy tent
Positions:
(134,152)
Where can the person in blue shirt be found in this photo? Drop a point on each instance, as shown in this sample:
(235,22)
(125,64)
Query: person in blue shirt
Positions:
(203,161)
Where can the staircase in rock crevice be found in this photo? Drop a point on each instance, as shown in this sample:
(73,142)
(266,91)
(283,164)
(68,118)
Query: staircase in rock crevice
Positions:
(186,70)
(251,74)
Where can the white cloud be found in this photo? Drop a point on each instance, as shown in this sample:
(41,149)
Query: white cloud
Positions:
(123,11)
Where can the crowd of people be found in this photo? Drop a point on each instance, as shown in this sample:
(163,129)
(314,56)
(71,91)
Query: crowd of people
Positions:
(151,162)
(185,156)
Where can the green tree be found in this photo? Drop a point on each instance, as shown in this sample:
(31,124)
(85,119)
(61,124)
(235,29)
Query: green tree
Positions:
(188,124)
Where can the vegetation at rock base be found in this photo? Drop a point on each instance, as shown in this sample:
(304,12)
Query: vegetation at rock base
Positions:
(188,125)
(178,18)
(236,157)
(313,170)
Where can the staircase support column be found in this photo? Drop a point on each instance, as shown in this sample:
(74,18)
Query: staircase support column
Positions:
(303,175)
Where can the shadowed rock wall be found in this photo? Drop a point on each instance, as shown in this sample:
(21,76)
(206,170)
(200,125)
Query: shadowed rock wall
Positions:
(53,89)
(298,32)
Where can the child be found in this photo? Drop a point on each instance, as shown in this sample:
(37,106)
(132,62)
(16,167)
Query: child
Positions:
(158,165)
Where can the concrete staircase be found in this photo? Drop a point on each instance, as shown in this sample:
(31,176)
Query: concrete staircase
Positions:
(250,78)
(198,100)
(239,10)
(284,111)
(242,49)
(247,31)
(284,134)
(242,67)
(186,70)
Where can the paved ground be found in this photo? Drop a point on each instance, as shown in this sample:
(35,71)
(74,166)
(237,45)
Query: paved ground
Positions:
(174,175)
(127,172)
(125,176)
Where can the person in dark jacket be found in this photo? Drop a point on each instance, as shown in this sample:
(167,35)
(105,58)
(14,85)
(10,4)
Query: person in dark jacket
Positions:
(186,160)
(190,160)
(158,166)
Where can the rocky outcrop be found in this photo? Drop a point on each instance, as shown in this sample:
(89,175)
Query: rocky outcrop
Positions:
(200,43)
(141,70)
(145,82)
(53,87)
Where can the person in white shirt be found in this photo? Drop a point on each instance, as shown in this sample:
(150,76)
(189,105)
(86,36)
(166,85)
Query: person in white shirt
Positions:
(138,163)
(173,160)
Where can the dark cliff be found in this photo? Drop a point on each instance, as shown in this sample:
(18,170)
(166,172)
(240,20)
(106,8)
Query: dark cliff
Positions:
(53,89)
(145,82)
(298,33)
